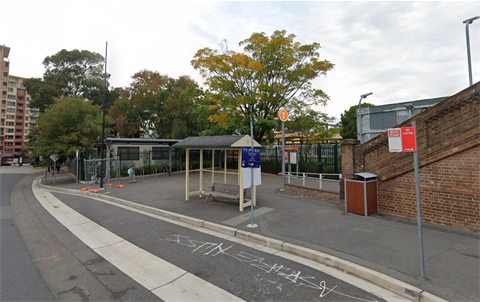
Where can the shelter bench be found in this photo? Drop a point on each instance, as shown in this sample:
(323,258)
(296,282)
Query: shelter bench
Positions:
(222,190)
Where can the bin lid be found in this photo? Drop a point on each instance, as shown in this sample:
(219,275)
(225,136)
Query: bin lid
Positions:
(365,174)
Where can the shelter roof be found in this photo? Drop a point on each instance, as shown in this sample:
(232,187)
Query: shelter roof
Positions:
(217,142)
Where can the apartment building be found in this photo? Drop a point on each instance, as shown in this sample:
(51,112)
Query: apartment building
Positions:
(16,118)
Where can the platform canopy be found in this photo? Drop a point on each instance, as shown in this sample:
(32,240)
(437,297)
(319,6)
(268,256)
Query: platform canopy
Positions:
(217,142)
(226,142)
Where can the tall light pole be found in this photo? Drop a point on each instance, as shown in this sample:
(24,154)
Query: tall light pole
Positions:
(103,124)
(468,22)
(359,117)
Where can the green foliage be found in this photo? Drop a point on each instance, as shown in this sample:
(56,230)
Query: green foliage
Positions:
(70,73)
(256,84)
(159,105)
(349,121)
(310,125)
(69,125)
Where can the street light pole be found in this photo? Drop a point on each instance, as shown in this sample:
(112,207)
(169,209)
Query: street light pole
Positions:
(468,22)
(103,124)
(359,117)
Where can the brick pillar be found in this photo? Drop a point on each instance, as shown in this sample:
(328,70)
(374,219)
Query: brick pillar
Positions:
(348,162)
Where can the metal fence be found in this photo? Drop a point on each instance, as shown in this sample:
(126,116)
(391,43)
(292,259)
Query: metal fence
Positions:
(320,159)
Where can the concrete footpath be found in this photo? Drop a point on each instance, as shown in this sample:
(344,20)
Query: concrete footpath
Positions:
(380,248)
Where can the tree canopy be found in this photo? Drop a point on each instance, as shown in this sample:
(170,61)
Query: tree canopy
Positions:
(273,73)
(69,73)
(157,105)
(348,119)
(310,125)
(70,124)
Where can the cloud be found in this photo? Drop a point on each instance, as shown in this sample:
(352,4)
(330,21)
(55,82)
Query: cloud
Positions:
(399,50)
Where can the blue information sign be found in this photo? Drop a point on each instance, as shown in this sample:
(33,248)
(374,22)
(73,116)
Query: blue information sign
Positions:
(250,158)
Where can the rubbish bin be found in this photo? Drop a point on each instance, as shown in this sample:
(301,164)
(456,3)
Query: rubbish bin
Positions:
(361,194)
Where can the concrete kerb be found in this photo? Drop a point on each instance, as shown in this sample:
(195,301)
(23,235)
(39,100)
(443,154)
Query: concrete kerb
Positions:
(405,290)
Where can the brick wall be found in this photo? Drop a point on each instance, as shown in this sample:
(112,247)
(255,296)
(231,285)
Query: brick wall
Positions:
(448,136)
(313,192)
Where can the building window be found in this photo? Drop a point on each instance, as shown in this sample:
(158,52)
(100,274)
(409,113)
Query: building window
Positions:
(32,124)
(11,124)
(26,118)
(10,117)
(18,137)
(8,150)
(19,98)
(9,130)
(9,137)
(14,84)
(129,153)
(19,105)
(11,97)
(18,143)
(20,92)
(18,130)
(10,103)
(26,131)
(8,144)
(33,119)
(10,110)
(17,150)
(159,153)
(10,89)
(19,124)
(19,117)
(19,111)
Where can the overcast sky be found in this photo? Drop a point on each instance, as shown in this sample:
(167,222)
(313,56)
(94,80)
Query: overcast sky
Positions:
(399,50)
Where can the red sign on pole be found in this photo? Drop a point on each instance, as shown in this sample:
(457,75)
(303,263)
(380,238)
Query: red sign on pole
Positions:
(409,140)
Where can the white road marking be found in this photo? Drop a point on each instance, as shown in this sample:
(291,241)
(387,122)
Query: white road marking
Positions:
(167,281)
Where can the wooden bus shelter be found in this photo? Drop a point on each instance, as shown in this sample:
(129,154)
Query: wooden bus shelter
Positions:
(228,142)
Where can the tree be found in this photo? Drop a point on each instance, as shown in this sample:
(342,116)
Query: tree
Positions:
(68,73)
(311,126)
(70,124)
(271,74)
(158,105)
(349,121)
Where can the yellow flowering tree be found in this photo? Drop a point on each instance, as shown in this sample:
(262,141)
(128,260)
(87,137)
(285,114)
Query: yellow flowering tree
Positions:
(273,73)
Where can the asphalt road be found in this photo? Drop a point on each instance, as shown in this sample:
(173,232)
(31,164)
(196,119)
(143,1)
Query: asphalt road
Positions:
(43,261)
(19,277)
(248,273)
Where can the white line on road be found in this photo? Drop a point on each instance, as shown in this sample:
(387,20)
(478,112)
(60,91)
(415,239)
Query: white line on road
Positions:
(167,281)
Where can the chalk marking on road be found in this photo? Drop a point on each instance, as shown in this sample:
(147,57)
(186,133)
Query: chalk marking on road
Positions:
(246,217)
(349,278)
(295,277)
(162,278)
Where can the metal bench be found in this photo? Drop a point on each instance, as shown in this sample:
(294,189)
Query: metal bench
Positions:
(229,191)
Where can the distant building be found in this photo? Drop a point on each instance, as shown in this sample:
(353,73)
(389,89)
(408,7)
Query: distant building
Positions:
(377,119)
(16,118)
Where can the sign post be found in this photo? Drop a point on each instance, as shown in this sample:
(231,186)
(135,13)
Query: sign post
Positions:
(76,172)
(251,159)
(283,116)
(410,143)
(54,157)
(405,140)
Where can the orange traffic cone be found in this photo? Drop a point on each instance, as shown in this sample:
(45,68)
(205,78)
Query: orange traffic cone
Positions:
(96,191)
(120,186)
